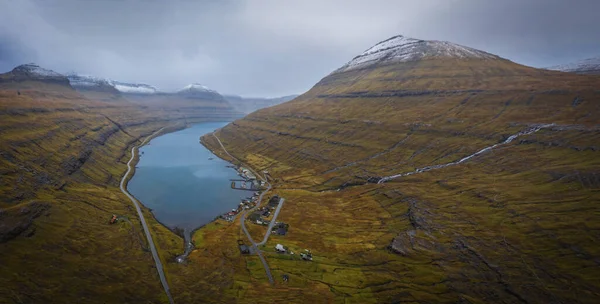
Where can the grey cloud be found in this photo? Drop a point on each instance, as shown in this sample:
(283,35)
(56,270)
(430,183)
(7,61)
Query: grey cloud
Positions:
(270,48)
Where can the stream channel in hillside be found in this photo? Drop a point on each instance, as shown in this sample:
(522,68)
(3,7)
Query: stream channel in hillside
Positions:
(185,184)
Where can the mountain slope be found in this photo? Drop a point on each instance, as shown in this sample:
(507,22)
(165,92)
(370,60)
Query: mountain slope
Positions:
(515,223)
(62,156)
(587,66)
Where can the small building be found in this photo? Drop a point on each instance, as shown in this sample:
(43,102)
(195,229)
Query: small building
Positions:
(244,249)
(280,228)
(280,248)
(281,231)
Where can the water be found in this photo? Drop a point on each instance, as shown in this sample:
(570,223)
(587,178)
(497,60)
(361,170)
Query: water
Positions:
(176,179)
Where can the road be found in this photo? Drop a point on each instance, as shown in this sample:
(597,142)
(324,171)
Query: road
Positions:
(159,266)
(243,214)
(281,201)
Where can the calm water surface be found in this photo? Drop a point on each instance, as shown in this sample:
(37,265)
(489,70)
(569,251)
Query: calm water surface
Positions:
(176,179)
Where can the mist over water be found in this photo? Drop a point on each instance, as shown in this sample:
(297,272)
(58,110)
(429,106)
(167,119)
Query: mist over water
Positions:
(178,181)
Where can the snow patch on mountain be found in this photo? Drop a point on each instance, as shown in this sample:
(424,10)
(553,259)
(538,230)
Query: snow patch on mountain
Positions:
(586,66)
(197,88)
(35,70)
(134,88)
(87,81)
(405,49)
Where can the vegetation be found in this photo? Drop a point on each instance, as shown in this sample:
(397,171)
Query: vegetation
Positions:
(61,160)
(516,224)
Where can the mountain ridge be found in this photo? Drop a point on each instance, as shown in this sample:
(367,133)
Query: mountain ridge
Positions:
(33,72)
(585,66)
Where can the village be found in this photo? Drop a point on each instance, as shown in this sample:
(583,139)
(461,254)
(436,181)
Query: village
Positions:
(263,215)
(248,182)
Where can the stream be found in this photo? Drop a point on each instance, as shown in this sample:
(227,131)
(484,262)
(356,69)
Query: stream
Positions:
(466,158)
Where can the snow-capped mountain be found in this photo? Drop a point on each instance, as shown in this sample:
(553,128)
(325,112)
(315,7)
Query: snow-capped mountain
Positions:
(34,70)
(87,82)
(404,49)
(586,66)
(196,90)
(196,87)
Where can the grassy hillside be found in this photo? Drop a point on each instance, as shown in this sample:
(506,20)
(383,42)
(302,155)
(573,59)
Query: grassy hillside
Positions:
(516,224)
(62,156)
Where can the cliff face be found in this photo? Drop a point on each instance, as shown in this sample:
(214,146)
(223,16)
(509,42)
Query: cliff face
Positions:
(515,216)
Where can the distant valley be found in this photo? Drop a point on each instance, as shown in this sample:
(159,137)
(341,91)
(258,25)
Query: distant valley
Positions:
(248,105)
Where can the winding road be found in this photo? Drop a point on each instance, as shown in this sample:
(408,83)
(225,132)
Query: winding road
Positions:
(243,215)
(157,261)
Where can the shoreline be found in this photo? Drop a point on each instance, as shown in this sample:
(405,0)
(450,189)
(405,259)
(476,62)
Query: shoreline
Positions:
(140,213)
(187,236)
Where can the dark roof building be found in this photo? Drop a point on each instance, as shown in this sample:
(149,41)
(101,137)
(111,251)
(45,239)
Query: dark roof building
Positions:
(244,249)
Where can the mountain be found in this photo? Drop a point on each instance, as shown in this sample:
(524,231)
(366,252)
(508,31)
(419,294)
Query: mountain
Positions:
(193,95)
(250,104)
(196,90)
(92,83)
(404,49)
(33,72)
(425,171)
(586,66)
(94,87)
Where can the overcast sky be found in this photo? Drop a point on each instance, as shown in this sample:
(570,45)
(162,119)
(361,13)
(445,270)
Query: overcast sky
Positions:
(277,47)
